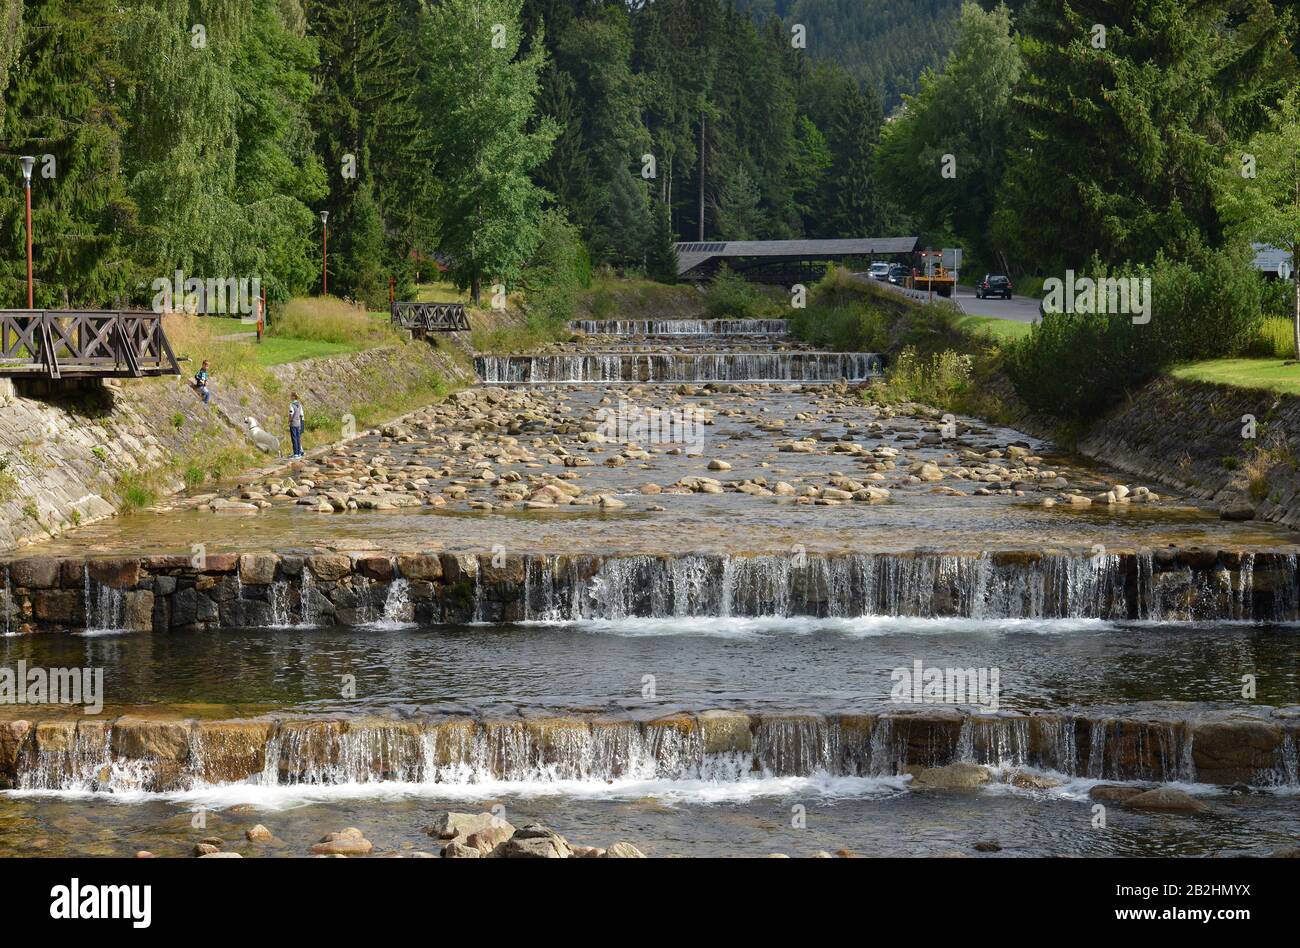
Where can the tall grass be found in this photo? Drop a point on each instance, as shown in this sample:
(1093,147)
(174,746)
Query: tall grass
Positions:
(1275,339)
(196,338)
(327,319)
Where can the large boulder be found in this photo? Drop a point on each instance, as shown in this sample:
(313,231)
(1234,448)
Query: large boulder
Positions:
(960,776)
(1165,799)
(461,826)
(35,572)
(1228,752)
(116,574)
(348,842)
(330,567)
(534,841)
(258,569)
(725,732)
(13,734)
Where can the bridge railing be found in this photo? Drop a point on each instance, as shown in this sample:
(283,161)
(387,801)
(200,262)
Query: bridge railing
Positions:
(55,344)
(429,317)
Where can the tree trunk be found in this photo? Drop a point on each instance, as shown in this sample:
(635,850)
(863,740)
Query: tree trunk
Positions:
(701,176)
(1295,275)
(475,288)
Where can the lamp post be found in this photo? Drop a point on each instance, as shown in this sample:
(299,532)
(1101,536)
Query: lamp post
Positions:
(325,253)
(27,162)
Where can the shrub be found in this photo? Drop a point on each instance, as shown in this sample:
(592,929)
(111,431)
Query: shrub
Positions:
(860,328)
(1076,366)
(559,269)
(136,491)
(731,295)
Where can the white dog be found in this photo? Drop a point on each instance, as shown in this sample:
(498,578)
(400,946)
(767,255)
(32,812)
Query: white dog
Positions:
(267,442)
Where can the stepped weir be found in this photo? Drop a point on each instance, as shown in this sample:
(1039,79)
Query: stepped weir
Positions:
(165,755)
(276,590)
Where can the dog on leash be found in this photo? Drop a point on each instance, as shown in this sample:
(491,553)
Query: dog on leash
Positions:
(265,441)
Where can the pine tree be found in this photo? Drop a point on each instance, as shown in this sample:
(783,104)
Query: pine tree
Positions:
(483,97)
(62,106)
(661,256)
(372,138)
(1124,130)
(11,29)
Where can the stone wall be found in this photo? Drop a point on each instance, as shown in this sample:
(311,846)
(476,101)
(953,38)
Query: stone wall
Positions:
(1190,435)
(175,593)
(64,449)
(1254,746)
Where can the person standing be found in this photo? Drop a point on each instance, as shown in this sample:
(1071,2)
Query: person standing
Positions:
(296,425)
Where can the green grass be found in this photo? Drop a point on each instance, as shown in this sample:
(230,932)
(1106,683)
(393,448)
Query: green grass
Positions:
(439,293)
(1275,375)
(1000,329)
(273,350)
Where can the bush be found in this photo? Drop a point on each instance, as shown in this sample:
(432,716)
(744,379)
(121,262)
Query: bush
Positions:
(1076,366)
(559,270)
(841,328)
(731,296)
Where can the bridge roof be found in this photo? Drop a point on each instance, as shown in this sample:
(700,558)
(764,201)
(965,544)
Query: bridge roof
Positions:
(693,253)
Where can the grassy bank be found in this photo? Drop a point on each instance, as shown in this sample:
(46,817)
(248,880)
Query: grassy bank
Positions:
(1274,375)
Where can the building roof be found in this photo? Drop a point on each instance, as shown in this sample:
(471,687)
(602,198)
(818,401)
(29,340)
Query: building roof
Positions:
(1268,257)
(692,254)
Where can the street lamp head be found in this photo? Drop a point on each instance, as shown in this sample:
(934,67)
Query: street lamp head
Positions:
(324,216)
(27,162)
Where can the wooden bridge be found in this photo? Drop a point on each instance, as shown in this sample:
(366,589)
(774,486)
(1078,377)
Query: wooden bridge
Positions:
(59,344)
(422,318)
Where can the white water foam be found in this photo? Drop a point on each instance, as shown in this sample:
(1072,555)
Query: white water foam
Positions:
(281,797)
(738,627)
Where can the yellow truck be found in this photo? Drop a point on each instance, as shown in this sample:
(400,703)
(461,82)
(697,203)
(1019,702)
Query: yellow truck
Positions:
(931,276)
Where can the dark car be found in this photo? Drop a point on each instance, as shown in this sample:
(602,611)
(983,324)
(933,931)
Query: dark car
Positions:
(993,284)
(897,274)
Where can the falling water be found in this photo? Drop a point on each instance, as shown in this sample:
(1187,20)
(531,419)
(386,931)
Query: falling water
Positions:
(680,327)
(725,748)
(679,367)
(1110,587)
(398,611)
(8,604)
(105,606)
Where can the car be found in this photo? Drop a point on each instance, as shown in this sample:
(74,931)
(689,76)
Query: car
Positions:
(993,284)
(897,274)
(879,270)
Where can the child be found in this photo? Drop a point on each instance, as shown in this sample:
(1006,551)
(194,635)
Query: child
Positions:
(201,382)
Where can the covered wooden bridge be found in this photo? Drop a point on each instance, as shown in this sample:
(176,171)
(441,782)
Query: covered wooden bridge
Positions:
(784,261)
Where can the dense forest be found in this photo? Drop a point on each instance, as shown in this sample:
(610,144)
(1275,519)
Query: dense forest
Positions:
(884,44)
(509,140)
(209,135)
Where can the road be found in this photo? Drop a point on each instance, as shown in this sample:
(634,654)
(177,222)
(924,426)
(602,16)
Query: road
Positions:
(1021,309)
